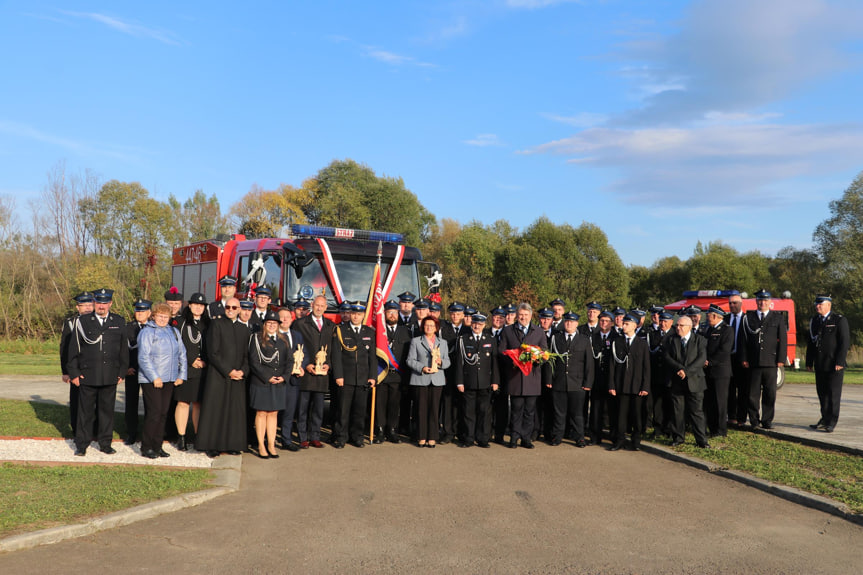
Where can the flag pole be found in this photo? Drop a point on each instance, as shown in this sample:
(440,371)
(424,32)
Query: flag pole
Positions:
(375,387)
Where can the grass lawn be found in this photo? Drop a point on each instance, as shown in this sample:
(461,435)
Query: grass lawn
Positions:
(832,474)
(33,419)
(853,376)
(37,497)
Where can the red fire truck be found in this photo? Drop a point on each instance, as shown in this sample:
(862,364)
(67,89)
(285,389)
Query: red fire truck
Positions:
(784,305)
(313,260)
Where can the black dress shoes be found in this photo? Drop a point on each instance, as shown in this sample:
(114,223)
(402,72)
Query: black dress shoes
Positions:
(393,437)
(212,453)
(163,453)
(181,443)
(484,444)
(676,442)
(108,450)
(377,440)
(703,445)
(512,444)
(150,454)
(130,440)
(292,447)
(81,451)
(527,444)
(615,447)
(581,443)
(828,429)
(767,425)
(339,445)
(358,443)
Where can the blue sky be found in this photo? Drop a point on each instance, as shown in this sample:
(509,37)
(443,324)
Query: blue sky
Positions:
(663,122)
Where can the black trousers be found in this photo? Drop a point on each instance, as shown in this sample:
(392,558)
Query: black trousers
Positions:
(292,400)
(476,415)
(95,408)
(407,409)
(738,392)
(544,420)
(449,406)
(499,413)
(629,412)
(522,413)
(601,406)
(157,403)
(428,407)
(568,411)
(829,387)
(660,402)
(353,400)
(310,416)
(133,396)
(716,403)
(691,406)
(388,398)
(762,389)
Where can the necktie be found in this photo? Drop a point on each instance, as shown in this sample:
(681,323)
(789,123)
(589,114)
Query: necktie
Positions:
(357,330)
(628,342)
(319,323)
(568,339)
(683,344)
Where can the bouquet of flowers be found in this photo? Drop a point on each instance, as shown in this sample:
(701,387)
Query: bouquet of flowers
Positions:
(527,356)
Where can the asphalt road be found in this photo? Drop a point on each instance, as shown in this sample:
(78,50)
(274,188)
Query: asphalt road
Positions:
(401,509)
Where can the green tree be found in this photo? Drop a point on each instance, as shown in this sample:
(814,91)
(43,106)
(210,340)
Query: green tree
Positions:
(662,283)
(268,213)
(198,218)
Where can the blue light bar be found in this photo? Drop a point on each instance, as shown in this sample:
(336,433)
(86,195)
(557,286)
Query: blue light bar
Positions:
(346,233)
(711,293)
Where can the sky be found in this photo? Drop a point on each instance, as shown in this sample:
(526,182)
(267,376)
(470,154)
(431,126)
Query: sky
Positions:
(663,122)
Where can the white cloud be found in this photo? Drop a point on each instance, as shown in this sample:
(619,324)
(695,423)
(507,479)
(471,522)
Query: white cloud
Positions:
(394,59)
(26,132)
(126,27)
(582,120)
(484,140)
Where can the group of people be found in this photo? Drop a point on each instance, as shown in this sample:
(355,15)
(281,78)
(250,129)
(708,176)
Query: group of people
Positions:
(245,375)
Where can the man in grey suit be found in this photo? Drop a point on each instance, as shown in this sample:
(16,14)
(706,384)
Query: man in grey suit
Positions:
(685,355)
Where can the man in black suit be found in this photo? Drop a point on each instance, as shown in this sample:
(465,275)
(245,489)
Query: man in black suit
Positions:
(355,368)
(629,382)
(765,348)
(132,387)
(523,389)
(294,339)
(317,332)
(262,305)
(685,354)
(406,309)
(499,398)
(717,370)
(594,308)
(600,400)
(388,396)
(571,380)
(477,375)
(227,290)
(83,306)
(450,331)
(98,360)
(659,400)
(826,350)
(738,390)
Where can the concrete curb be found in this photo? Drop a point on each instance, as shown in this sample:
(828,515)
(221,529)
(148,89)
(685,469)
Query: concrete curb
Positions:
(810,442)
(227,470)
(788,493)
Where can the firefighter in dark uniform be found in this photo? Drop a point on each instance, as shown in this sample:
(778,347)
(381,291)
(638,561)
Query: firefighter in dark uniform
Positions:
(629,383)
(355,369)
(227,289)
(765,348)
(388,397)
(450,331)
(826,350)
(544,409)
(98,360)
(600,404)
(499,398)
(262,305)
(717,370)
(132,387)
(660,382)
(83,306)
(406,309)
(477,375)
(571,380)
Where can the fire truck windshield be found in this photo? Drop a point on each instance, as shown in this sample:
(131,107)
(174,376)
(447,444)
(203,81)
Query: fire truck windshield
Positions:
(355,275)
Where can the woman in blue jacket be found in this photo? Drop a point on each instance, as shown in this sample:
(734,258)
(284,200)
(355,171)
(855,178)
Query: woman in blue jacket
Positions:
(427,358)
(161,367)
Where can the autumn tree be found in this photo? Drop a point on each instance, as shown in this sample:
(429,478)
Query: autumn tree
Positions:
(268,213)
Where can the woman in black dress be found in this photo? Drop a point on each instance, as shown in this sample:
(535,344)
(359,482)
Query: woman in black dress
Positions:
(270,363)
(192,330)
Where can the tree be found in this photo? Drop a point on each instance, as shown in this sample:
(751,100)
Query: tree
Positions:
(198,218)
(268,213)
(350,195)
(662,283)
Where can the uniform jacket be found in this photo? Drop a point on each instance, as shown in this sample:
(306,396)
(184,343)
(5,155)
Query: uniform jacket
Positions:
(133,328)
(517,383)
(476,362)
(161,354)
(99,354)
(313,341)
(629,370)
(295,341)
(194,336)
(691,361)
(602,355)
(399,342)
(216,309)
(354,357)
(227,348)
(720,340)
(827,343)
(575,371)
(268,359)
(420,356)
(765,344)
(65,335)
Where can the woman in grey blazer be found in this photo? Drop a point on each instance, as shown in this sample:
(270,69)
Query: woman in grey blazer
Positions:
(427,358)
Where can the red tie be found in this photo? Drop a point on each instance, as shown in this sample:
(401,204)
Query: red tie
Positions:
(319,323)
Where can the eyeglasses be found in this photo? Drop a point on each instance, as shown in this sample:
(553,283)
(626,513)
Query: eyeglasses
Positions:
(232,307)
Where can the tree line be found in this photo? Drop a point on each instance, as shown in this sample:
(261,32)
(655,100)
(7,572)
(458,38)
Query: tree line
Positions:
(86,234)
